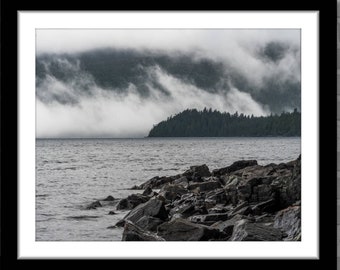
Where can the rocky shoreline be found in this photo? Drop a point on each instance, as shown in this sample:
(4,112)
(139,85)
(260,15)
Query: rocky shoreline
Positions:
(241,202)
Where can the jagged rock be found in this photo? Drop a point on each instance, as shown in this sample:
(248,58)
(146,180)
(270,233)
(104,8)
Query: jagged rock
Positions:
(218,208)
(149,223)
(246,210)
(183,181)
(289,221)
(268,206)
(237,165)
(185,210)
(171,192)
(216,196)
(152,208)
(248,231)
(197,172)
(134,233)
(112,213)
(208,219)
(147,191)
(205,186)
(183,230)
(131,201)
(93,205)
(109,199)
(157,182)
(288,187)
(227,226)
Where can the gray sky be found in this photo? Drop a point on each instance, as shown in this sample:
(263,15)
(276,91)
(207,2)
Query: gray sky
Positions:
(129,116)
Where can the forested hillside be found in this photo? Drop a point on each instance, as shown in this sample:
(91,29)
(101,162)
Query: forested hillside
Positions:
(209,123)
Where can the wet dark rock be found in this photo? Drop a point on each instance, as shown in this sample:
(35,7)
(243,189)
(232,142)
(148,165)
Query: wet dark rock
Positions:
(185,210)
(216,196)
(218,209)
(242,202)
(149,223)
(246,210)
(134,233)
(148,191)
(244,230)
(157,182)
(183,181)
(112,213)
(227,226)
(93,205)
(289,221)
(204,186)
(152,208)
(131,201)
(208,219)
(109,199)
(237,165)
(268,206)
(184,230)
(172,192)
(197,172)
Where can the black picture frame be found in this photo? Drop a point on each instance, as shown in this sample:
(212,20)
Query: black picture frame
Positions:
(327,110)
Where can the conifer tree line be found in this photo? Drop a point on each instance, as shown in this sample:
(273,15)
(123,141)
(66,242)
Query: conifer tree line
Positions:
(212,123)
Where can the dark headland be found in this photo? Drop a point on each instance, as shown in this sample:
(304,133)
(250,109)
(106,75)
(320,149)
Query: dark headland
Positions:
(240,202)
(212,123)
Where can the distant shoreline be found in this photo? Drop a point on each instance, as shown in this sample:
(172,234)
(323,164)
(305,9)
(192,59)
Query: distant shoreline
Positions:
(151,138)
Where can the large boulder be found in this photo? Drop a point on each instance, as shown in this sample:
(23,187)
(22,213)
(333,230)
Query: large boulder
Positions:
(227,226)
(171,192)
(149,223)
(93,205)
(289,221)
(208,219)
(134,233)
(157,182)
(153,208)
(237,165)
(197,172)
(216,196)
(244,230)
(184,230)
(205,186)
(288,186)
(131,201)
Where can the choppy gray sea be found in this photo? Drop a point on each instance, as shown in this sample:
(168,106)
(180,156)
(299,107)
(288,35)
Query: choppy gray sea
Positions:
(71,173)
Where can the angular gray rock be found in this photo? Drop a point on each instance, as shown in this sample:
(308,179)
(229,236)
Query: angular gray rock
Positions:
(93,205)
(134,233)
(149,223)
(248,231)
(208,219)
(183,230)
(197,171)
(109,199)
(289,221)
(171,192)
(237,165)
(131,201)
(205,186)
(153,208)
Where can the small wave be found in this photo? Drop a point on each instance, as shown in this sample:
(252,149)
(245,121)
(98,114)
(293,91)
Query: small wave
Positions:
(42,195)
(82,217)
(44,220)
(47,215)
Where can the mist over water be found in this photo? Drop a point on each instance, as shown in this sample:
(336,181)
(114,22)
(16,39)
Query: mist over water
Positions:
(126,82)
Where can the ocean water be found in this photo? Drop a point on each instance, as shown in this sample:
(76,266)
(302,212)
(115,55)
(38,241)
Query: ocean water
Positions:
(72,173)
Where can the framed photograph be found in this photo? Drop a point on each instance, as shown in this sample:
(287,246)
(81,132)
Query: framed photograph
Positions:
(170,135)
